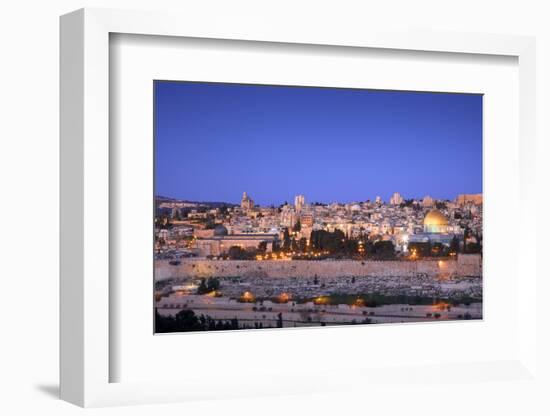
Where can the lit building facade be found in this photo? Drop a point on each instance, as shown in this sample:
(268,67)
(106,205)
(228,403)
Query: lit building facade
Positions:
(220,242)
(396,199)
(475,199)
(288,216)
(247,203)
(307,220)
(428,201)
(299,202)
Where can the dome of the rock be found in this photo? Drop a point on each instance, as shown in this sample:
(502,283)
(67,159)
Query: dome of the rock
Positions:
(435,222)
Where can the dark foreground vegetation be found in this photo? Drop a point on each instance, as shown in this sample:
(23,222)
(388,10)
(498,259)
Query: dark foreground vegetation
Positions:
(186,320)
(373,300)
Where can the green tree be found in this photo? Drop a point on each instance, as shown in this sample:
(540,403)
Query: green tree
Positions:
(467,233)
(454,246)
(208,285)
(236,253)
(422,249)
(441,205)
(473,248)
(286,240)
(202,287)
(186,320)
(210,223)
(350,247)
(324,240)
(262,246)
(437,249)
(384,249)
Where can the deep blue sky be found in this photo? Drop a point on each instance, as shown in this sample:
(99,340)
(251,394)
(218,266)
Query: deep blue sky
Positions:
(214,141)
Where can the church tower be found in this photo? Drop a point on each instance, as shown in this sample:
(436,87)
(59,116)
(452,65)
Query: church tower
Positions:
(246,202)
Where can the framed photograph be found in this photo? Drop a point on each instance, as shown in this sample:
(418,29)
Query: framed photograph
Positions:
(250,212)
(335,254)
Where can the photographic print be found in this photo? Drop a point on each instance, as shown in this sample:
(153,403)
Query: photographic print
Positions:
(291,206)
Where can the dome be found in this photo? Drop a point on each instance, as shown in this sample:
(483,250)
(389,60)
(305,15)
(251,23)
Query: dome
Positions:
(435,217)
(435,222)
(220,230)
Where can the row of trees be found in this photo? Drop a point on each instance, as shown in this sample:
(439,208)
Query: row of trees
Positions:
(346,248)
(428,249)
(337,243)
(186,320)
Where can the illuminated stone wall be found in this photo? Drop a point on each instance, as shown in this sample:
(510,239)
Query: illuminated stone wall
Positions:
(465,265)
(470,198)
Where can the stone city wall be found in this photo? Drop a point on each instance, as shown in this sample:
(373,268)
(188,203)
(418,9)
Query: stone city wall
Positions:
(464,265)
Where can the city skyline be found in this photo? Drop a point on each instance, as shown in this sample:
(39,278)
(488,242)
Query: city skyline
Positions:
(214,141)
(290,200)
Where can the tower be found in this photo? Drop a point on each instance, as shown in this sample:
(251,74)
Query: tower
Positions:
(246,202)
(396,199)
(299,202)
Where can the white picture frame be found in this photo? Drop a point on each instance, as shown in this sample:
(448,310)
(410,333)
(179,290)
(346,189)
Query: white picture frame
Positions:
(85,210)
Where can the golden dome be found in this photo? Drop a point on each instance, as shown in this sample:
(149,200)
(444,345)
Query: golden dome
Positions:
(435,217)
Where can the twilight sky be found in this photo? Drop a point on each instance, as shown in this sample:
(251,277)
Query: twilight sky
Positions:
(214,141)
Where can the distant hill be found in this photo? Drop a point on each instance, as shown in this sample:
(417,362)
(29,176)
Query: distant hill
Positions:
(212,204)
(160,198)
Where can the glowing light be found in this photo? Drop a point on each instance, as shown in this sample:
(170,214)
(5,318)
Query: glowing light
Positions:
(440,306)
(359,302)
(321,300)
(247,297)
(284,297)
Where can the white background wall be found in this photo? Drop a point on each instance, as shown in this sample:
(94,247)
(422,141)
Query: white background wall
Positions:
(29,208)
